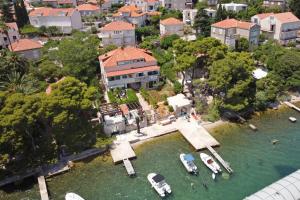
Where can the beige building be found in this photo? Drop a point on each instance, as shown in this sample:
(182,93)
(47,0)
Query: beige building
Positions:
(129,67)
(189,15)
(283,27)
(131,14)
(12,35)
(27,48)
(177,4)
(171,26)
(118,33)
(230,30)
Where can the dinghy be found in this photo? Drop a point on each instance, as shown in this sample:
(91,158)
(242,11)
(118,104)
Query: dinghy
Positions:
(158,182)
(188,162)
(73,196)
(210,163)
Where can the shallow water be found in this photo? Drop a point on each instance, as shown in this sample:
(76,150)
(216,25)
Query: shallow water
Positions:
(255,160)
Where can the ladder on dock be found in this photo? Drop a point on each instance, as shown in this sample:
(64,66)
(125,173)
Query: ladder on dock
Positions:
(225,164)
(43,188)
(128,166)
(291,106)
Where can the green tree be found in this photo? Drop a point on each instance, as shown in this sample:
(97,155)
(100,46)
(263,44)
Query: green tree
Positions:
(202,23)
(145,31)
(242,44)
(221,13)
(6,11)
(168,40)
(232,81)
(184,62)
(21,13)
(294,5)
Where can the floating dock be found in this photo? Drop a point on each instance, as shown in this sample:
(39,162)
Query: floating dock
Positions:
(225,164)
(43,188)
(292,106)
(129,168)
(121,150)
(287,188)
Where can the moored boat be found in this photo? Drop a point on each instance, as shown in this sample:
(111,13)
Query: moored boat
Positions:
(158,182)
(210,163)
(292,119)
(188,162)
(73,196)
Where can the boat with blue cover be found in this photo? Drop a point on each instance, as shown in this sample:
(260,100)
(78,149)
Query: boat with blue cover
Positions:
(188,162)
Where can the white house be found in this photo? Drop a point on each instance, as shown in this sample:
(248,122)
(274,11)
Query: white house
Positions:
(210,12)
(146,5)
(27,48)
(58,3)
(171,26)
(129,67)
(177,4)
(13,35)
(230,30)
(189,15)
(280,3)
(235,7)
(66,19)
(118,33)
(132,14)
(88,9)
(180,104)
(283,27)
(106,4)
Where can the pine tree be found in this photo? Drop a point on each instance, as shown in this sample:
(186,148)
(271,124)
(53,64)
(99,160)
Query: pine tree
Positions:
(220,14)
(21,13)
(6,11)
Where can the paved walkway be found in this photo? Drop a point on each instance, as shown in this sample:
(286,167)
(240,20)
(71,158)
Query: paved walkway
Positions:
(143,102)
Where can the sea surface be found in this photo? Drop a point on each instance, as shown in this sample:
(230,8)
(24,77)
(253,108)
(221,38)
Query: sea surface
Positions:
(256,162)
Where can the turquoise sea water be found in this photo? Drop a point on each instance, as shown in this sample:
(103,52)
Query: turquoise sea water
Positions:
(255,160)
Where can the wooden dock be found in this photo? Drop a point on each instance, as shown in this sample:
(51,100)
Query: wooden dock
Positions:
(292,106)
(129,168)
(220,159)
(43,188)
(121,150)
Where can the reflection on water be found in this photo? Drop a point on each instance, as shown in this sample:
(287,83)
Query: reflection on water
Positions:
(255,160)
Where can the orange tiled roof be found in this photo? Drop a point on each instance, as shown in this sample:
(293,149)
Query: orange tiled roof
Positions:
(25,44)
(171,21)
(52,12)
(233,23)
(264,15)
(124,108)
(132,9)
(12,25)
(112,58)
(285,17)
(132,71)
(153,13)
(88,7)
(118,25)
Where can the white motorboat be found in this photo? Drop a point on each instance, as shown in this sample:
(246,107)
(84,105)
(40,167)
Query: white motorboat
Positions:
(210,163)
(73,196)
(158,182)
(188,162)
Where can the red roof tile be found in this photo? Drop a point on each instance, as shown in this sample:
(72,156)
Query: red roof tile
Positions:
(233,23)
(285,17)
(12,25)
(25,44)
(118,25)
(88,7)
(52,12)
(132,71)
(112,58)
(171,21)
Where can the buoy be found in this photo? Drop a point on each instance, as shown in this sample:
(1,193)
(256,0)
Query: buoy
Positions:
(275,141)
(213,175)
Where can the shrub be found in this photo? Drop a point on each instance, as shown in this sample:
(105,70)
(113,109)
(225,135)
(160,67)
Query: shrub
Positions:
(94,30)
(171,109)
(177,87)
(166,103)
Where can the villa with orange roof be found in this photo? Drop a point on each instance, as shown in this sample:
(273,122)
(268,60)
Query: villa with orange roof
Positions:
(27,48)
(66,19)
(13,35)
(177,4)
(146,5)
(88,9)
(230,30)
(118,33)
(129,67)
(171,26)
(283,27)
(131,14)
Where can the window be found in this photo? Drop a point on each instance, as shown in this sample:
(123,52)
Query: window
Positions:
(152,73)
(124,76)
(117,77)
(5,38)
(14,37)
(140,74)
(111,78)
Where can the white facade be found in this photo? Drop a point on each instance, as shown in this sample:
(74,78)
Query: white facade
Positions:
(280,3)
(13,35)
(210,12)
(171,29)
(180,104)
(235,7)
(189,16)
(145,5)
(177,4)
(62,20)
(279,26)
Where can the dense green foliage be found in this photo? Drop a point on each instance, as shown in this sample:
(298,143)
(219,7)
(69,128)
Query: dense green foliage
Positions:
(294,5)
(6,11)
(114,96)
(21,13)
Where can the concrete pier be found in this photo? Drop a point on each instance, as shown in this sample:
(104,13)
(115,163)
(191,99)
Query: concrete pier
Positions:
(220,159)
(121,150)
(128,166)
(292,106)
(43,188)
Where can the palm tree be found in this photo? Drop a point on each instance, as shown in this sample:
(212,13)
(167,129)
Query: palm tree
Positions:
(4,29)
(15,82)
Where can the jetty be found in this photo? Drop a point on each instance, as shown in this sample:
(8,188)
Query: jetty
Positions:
(289,104)
(121,150)
(129,168)
(225,164)
(43,188)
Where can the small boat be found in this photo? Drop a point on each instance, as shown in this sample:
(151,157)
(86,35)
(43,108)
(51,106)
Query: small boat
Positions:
(213,175)
(158,182)
(292,119)
(210,163)
(73,196)
(188,162)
